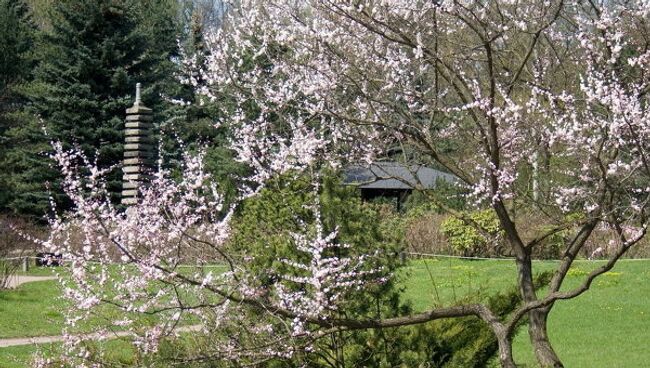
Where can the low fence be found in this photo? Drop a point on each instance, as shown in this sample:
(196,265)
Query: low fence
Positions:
(431,255)
(25,261)
(51,260)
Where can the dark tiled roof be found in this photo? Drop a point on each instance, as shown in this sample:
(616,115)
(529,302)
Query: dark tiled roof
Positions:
(394,175)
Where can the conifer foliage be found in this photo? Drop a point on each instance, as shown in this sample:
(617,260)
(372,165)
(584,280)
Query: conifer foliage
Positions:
(89,62)
(16,43)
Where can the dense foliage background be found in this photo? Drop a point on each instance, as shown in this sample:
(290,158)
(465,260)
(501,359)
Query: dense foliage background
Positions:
(68,73)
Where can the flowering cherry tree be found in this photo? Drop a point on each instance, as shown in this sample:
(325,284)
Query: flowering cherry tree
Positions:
(559,88)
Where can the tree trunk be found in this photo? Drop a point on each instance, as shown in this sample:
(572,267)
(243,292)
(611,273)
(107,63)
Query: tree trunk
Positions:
(537,317)
(505,351)
(537,331)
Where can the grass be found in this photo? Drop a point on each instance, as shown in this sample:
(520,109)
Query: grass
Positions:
(608,326)
(38,271)
(37,309)
(119,351)
(21,356)
(446,281)
(32,270)
(33,309)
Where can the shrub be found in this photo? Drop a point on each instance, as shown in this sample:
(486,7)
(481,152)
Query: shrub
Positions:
(13,246)
(424,235)
(447,194)
(552,246)
(453,343)
(264,226)
(467,240)
(418,229)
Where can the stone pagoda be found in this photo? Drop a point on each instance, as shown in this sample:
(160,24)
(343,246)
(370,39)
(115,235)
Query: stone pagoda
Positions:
(138,149)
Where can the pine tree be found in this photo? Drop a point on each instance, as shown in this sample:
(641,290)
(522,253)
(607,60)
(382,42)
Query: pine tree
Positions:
(16,62)
(90,59)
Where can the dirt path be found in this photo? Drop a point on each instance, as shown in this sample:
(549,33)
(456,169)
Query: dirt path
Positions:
(17,341)
(30,340)
(16,280)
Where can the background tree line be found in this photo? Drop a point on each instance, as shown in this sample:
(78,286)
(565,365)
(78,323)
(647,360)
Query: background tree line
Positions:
(68,72)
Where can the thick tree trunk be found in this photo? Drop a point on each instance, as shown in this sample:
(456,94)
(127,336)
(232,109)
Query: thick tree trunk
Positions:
(537,331)
(546,356)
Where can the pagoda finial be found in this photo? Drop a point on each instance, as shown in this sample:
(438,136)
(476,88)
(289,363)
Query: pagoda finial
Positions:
(137,93)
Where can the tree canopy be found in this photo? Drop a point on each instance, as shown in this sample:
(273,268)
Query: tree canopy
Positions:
(499,93)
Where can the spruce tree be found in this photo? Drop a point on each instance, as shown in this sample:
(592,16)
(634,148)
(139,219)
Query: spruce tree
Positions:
(90,59)
(16,62)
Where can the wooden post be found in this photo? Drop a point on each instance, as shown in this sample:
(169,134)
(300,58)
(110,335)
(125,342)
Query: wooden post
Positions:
(137,149)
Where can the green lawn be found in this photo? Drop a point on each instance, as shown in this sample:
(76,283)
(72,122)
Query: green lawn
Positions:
(21,356)
(37,309)
(33,309)
(609,326)
(119,351)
